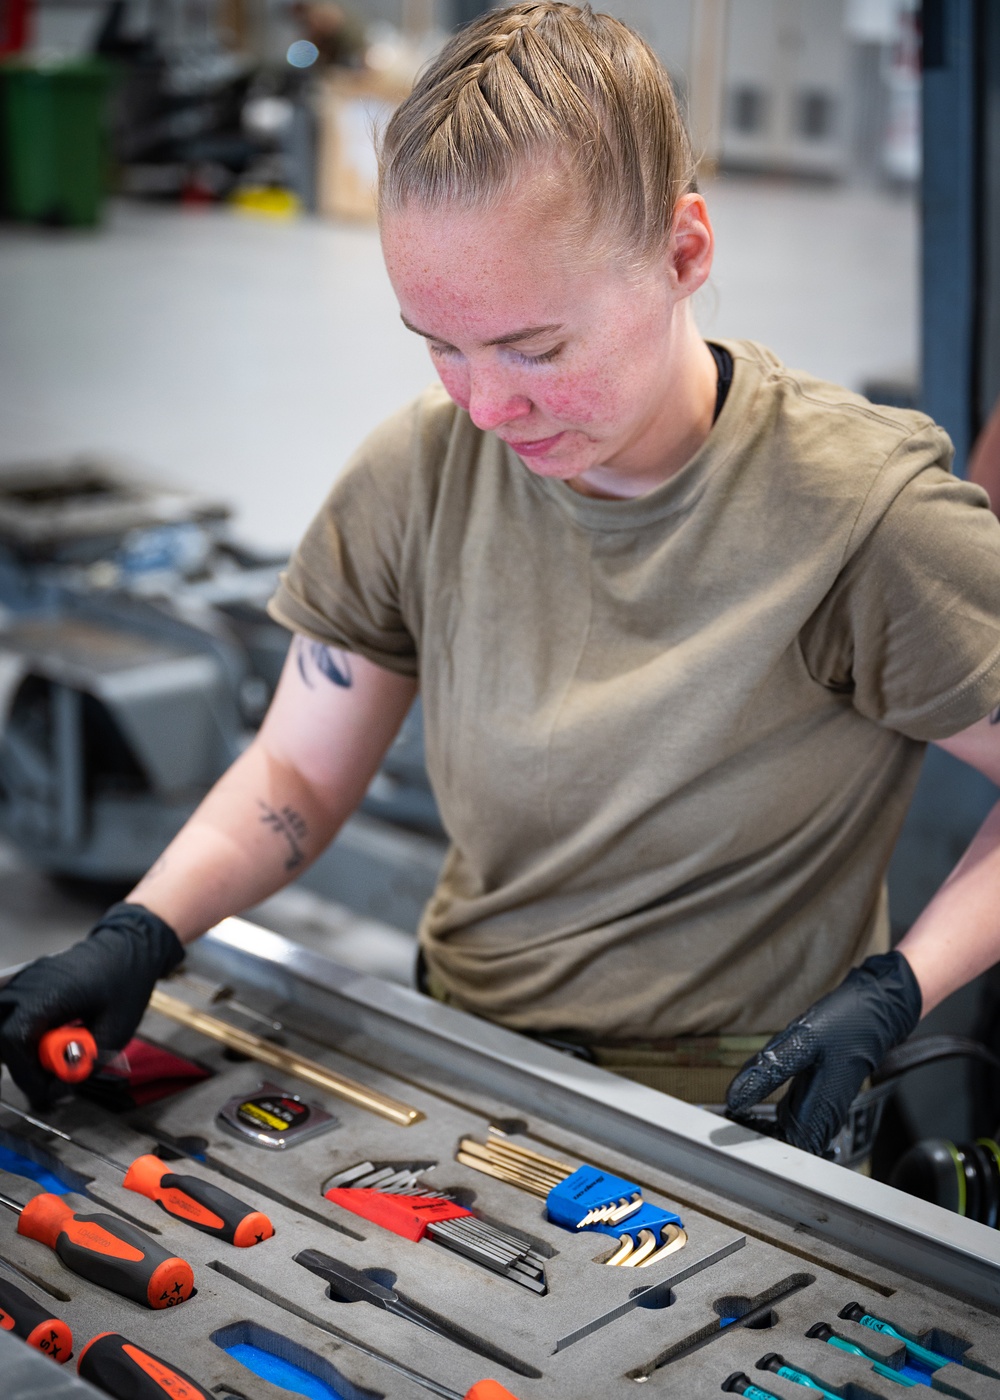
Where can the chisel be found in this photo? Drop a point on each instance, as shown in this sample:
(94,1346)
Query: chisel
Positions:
(128,1372)
(106,1251)
(208,1208)
(755,1315)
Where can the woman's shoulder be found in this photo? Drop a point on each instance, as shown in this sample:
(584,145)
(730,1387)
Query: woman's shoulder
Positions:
(418,434)
(827,439)
(800,403)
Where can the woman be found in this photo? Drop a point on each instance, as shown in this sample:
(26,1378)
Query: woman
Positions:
(682,621)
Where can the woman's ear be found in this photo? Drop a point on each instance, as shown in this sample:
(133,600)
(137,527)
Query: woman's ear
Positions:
(692,244)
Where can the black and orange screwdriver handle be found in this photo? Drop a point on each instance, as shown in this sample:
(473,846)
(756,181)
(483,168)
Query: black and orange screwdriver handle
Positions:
(198,1202)
(109,1252)
(127,1372)
(68,1052)
(27,1319)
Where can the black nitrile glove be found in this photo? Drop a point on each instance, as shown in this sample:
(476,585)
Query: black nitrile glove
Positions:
(829,1051)
(105,982)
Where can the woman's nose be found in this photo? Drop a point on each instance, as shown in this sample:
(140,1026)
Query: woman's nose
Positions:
(493,401)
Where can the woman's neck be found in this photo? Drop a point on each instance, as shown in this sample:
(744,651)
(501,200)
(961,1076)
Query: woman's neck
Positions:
(675,434)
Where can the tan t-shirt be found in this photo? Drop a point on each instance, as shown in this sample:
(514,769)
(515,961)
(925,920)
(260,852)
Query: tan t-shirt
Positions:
(672,738)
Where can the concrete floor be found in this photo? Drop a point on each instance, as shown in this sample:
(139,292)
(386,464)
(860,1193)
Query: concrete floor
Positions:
(247,358)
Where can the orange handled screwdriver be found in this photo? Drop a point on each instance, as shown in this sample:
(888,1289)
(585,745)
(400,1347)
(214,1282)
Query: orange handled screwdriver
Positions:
(68,1052)
(206,1207)
(127,1372)
(107,1251)
(27,1319)
(199,1203)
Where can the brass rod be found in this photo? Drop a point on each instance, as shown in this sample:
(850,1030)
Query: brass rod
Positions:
(528,1183)
(487,1170)
(476,1149)
(503,1144)
(267,1053)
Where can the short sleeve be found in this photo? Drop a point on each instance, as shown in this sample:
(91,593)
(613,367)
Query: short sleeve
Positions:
(911,628)
(350,581)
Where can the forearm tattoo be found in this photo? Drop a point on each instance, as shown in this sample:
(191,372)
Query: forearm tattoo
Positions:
(314,659)
(290,825)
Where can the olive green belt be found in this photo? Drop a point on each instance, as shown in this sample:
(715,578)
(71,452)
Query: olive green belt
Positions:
(697,1069)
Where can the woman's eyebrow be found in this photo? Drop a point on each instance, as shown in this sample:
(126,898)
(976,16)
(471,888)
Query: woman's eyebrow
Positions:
(510,339)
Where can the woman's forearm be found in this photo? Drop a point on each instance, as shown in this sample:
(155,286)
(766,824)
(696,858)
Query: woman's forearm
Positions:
(958,934)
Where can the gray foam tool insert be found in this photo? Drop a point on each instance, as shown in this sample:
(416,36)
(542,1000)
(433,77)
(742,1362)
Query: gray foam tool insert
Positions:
(597,1333)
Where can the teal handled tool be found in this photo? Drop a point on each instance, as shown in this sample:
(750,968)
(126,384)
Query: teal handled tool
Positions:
(823,1332)
(915,1351)
(909,1378)
(775,1362)
(739,1383)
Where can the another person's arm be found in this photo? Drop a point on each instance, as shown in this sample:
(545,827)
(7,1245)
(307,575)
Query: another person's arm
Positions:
(332,718)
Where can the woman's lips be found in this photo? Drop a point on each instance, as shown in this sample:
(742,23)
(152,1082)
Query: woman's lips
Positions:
(536,448)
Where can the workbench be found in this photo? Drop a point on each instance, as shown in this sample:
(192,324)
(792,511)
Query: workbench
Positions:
(763,1221)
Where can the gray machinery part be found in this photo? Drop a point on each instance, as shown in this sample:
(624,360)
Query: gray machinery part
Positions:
(136,660)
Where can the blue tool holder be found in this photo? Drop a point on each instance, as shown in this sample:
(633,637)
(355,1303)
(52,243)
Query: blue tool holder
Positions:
(588,1188)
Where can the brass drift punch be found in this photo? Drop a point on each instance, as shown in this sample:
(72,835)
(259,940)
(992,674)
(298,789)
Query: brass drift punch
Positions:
(265,1052)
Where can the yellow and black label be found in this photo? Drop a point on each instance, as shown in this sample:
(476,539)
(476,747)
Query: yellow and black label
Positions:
(273,1118)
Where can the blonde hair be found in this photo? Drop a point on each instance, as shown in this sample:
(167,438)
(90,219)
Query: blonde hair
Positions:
(539,85)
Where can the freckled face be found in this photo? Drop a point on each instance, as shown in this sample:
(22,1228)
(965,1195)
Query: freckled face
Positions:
(570,361)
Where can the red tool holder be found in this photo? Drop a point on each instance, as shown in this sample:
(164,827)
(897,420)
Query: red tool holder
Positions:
(407,1216)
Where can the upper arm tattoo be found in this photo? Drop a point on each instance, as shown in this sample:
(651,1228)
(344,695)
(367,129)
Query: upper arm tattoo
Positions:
(316,660)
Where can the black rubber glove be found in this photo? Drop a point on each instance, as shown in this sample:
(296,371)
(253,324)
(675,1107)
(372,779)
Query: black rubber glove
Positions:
(830,1050)
(105,982)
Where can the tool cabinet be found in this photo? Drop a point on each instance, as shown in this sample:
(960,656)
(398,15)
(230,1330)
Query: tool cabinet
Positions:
(763,1221)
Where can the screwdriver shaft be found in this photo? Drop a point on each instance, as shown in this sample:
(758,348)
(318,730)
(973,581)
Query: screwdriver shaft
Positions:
(58,1132)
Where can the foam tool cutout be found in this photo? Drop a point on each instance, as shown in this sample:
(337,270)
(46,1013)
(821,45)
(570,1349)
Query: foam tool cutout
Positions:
(582,1198)
(397,1201)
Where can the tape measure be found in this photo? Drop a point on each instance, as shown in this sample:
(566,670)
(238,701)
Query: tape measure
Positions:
(271,1117)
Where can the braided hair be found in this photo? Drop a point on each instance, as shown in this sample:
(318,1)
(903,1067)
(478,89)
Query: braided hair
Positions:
(545,86)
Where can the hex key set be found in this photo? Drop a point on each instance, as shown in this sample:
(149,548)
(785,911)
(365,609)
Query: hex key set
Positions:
(465,1251)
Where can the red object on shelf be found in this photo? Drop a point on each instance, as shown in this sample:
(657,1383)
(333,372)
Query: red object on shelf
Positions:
(408,1216)
(15,25)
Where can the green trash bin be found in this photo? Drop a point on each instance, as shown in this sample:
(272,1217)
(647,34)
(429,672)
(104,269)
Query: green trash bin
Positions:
(54,140)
